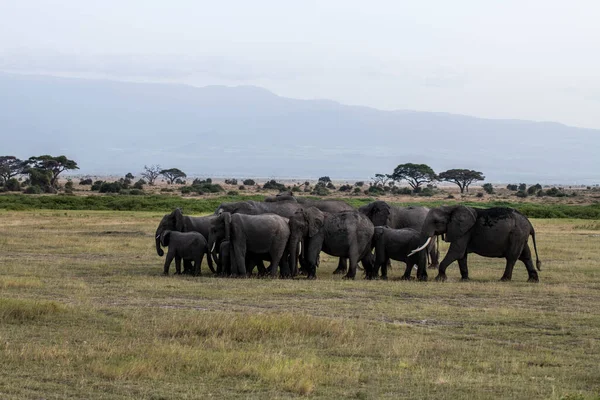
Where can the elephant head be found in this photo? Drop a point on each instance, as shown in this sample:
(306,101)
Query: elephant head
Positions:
(304,224)
(220,229)
(170,222)
(453,221)
(378,212)
(282,196)
(165,238)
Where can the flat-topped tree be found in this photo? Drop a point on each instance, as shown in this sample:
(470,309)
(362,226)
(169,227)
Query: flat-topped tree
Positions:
(172,174)
(10,166)
(461,177)
(53,165)
(414,174)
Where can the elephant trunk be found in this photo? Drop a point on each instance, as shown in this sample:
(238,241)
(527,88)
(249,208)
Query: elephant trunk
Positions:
(159,249)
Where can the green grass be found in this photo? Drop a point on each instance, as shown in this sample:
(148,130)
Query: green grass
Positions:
(166,203)
(85,313)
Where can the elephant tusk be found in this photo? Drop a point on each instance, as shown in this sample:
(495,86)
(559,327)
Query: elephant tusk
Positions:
(213,247)
(157,236)
(420,248)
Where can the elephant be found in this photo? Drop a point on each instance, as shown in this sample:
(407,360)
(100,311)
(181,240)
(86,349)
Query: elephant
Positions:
(330,206)
(345,234)
(259,234)
(397,244)
(383,214)
(176,221)
(190,246)
(499,232)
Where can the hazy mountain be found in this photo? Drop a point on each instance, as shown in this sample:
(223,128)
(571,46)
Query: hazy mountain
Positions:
(117,127)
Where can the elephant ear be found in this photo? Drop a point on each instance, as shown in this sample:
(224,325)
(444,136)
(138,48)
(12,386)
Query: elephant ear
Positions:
(165,238)
(227,222)
(461,220)
(315,220)
(178,216)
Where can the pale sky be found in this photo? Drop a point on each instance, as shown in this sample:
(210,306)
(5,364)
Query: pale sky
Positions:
(526,59)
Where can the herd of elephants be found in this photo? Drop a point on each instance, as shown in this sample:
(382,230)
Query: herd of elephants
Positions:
(290,232)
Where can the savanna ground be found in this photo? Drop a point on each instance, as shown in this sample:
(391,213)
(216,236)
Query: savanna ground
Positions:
(86,313)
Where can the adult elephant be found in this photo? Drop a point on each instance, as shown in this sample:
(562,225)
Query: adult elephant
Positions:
(384,214)
(259,234)
(345,234)
(495,232)
(176,221)
(286,209)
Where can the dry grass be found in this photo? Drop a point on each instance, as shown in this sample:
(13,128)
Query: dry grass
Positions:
(85,313)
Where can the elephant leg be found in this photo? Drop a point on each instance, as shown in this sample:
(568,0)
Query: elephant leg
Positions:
(342,266)
(284,267)
(168,261)
(528,261)
(187,267)
(421,261)
(368,262)
(238,259)
(456,251)
(510,263)
(351,274)
(464,271)
(408,270)
(198,264)
(177,265)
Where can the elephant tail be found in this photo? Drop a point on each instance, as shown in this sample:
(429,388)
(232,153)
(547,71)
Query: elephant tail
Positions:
(538,263)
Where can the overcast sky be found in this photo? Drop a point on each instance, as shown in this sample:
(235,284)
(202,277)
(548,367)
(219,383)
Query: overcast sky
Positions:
(526,59)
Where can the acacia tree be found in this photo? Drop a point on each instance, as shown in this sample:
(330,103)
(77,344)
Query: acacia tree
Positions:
(151,173)
(172,174)
(414,174)
(461,177)
(53,167)
(382,179)
(10,166)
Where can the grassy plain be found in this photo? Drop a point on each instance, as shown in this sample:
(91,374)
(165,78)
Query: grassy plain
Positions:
(85,313)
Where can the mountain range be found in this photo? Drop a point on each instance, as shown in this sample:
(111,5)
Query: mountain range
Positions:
(111,128)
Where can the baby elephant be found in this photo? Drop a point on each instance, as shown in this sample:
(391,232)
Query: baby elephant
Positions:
(396,244)
(189,246)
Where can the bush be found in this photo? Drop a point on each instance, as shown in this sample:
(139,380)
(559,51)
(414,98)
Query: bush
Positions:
(540,193)
(402,191)
(488,188)
(179,181)
(346,188)
(163,190)
(359,184)
(357,190)
(272,184)
(231,181)
(96,185)
(427,192)
(325,179)
(111,187)
(249,182)
(198,181)
(375,191)
(330,186)
(306,189)
(242,187)
(136,192)
(512,186)
(232,193)
(12,185)
(521,193)
(534,189)
(479,194)
(69,187)
(522,187)
(33,190)
(139,185)
(296,189)
(87,181)
(320,190)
